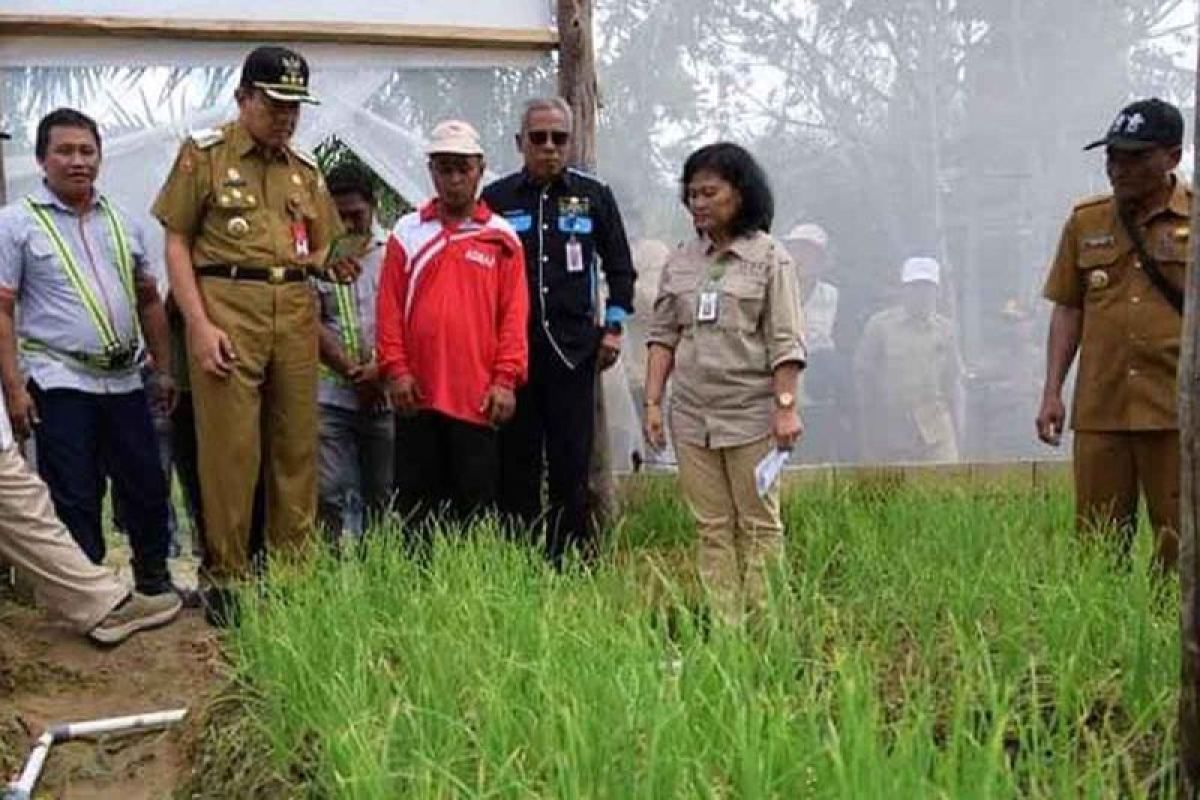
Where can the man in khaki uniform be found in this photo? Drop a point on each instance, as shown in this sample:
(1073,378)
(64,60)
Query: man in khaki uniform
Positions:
(909,376)
(1116,284)
(248,220)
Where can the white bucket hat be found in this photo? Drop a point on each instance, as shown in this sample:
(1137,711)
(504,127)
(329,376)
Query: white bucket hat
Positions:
(456,137)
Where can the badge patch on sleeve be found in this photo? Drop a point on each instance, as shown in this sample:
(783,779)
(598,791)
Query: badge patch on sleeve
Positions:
(519,220)
(1104,240)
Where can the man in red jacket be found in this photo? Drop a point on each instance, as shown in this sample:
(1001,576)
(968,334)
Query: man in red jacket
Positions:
(451,335)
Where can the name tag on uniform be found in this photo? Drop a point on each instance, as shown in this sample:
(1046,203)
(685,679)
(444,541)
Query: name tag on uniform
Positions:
(1104,240)
(574,256)
(707,305)
(520,221)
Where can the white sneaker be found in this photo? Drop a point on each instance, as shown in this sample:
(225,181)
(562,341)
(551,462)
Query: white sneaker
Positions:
(138,612)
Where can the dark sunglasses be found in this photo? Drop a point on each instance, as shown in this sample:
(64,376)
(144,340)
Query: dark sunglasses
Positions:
(539,138)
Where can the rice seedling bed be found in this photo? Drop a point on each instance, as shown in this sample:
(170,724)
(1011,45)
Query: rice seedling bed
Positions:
(920,642)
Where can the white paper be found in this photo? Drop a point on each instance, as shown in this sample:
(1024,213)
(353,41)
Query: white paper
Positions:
(767,471)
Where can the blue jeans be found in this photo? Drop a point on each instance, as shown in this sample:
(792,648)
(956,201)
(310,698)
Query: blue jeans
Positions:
(81,439)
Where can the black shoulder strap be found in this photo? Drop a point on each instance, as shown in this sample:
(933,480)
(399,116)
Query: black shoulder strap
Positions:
(1171,293)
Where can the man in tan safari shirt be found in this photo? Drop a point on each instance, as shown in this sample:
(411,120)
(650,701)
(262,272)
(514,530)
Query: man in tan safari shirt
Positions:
(248,220)
(908,373)
(1116,283)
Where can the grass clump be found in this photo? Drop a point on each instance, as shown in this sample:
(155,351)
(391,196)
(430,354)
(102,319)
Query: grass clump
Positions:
(918,643)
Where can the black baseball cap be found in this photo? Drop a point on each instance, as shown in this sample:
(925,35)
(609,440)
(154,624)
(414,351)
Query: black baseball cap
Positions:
(281,73)
(1142,125)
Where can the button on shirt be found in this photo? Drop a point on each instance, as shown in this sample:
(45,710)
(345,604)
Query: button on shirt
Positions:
(335,390)
(50,310)
(1129,349)
(574,206)
(722,393)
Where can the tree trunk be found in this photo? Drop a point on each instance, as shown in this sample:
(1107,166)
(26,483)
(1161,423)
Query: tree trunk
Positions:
(1189,502)
(577,85)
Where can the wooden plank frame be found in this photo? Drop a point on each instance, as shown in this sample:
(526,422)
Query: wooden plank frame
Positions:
(394,35)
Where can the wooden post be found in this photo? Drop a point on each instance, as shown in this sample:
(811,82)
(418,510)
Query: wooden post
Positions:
(577,85)
(577,75)
(1189,508)
(3,180)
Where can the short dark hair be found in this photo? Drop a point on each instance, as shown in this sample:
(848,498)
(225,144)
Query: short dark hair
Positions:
(62,118)
(734,163)
(351,179)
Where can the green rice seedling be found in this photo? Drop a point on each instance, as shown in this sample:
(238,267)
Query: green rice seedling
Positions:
(918,642)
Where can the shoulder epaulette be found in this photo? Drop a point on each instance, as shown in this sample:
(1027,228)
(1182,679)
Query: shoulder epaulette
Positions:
(207,137)
(1094,200)
(586,175)
(305,158)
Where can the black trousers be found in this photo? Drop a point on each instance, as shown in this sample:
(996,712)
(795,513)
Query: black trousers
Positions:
(551,433)
(444,466)
(83,437)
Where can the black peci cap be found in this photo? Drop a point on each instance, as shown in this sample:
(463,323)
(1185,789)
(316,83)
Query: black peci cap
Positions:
(281,73)
(1142,125)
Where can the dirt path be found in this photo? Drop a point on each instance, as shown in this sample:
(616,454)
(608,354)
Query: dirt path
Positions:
(49,674)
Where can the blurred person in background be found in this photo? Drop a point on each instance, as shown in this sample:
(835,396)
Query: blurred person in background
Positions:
(90,310)
(357,447)
(1117,288)
(649,258)
(451,337)
(726,330)
(822,385)
(571,229)
(909,376)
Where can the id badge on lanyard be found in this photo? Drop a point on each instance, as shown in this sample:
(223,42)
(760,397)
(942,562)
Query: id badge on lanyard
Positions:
(708,304)
(574,255)
(300,236)
(708,301)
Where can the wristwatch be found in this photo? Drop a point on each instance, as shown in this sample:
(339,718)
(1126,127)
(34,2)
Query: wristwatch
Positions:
(785,400)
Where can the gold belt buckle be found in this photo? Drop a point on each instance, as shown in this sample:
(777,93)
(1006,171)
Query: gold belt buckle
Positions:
(277,274)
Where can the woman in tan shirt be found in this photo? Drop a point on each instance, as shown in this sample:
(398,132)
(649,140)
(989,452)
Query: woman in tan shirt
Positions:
(726,326)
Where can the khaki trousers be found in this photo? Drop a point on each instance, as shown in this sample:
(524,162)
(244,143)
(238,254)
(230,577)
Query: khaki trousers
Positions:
(34,541)
(740,534)
(1109,469)
(263,414)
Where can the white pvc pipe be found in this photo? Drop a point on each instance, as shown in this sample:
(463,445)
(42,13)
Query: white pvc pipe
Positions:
(22,788)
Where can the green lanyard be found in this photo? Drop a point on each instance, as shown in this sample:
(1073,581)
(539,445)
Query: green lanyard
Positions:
(105,327)
(347,305)
(716,270)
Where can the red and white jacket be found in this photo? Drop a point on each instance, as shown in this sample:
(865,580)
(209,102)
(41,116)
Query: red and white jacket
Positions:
(453,309)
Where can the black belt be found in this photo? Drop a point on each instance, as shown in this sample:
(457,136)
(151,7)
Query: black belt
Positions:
(266,274)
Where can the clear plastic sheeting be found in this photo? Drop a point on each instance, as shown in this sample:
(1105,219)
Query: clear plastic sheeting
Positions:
(935,129)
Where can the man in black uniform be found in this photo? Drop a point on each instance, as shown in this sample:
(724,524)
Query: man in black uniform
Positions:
(568,221)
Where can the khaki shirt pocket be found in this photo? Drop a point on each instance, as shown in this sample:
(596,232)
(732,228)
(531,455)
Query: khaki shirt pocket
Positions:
(1171,249)
(1101,274)
(743,297)
(236,220)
